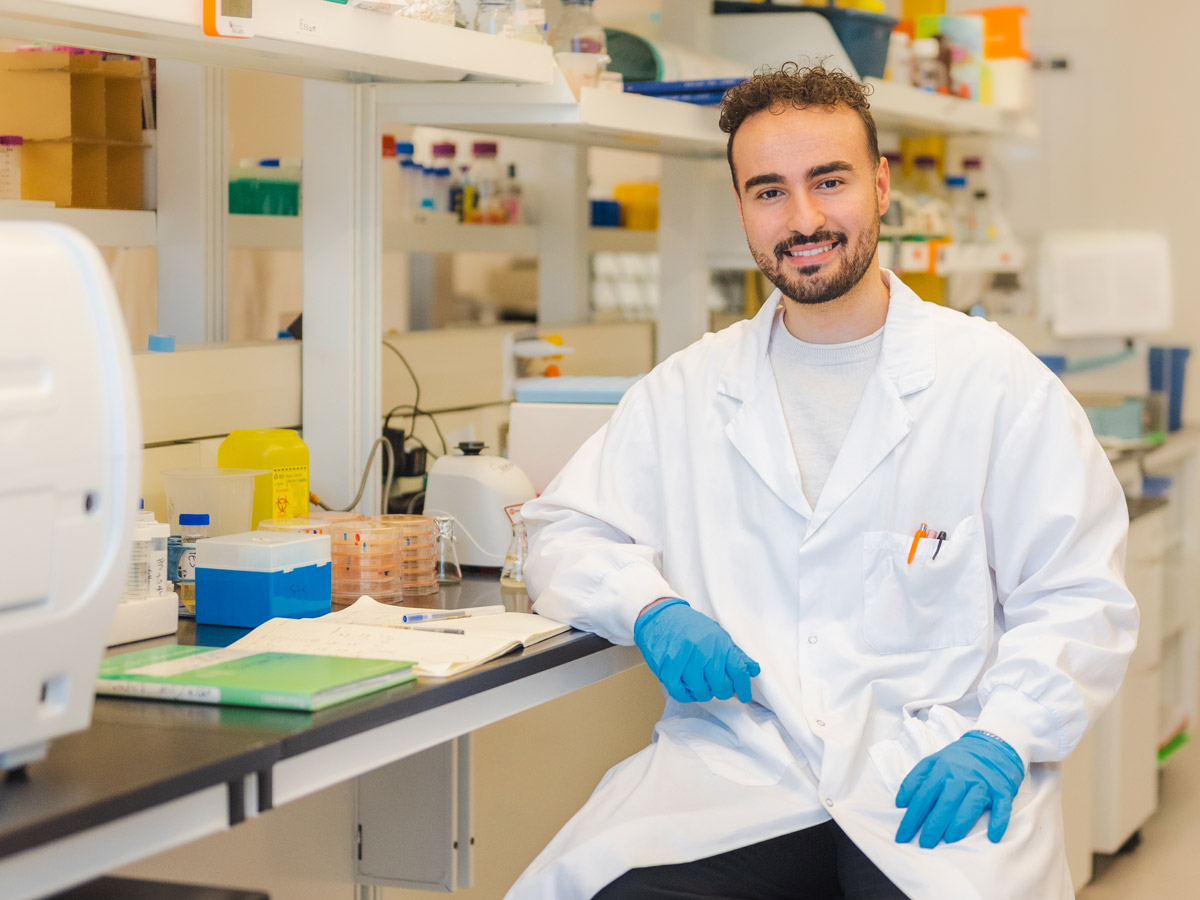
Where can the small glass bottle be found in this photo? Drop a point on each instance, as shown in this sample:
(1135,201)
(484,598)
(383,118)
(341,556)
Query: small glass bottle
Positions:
(445,556)
(495,17)
(193,527)
(578,31)
(512,575)
(10,166)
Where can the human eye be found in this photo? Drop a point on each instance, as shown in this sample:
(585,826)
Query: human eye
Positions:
(770,194)
(830,184)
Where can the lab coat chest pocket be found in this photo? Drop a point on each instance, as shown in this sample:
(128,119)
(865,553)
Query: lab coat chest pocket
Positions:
(928,604)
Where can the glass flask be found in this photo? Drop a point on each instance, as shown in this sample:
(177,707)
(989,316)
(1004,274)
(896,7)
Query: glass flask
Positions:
(445,556)
(513,573)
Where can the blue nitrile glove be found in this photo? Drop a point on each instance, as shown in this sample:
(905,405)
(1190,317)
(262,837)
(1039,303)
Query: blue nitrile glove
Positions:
(949,790)
(693,656)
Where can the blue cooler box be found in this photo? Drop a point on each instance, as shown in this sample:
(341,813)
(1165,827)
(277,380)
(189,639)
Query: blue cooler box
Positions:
(246,579)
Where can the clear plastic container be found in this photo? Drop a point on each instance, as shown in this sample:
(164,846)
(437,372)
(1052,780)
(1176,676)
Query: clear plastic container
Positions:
(488,202)
(578,31)
(226,495)
(495,17)
(10,166)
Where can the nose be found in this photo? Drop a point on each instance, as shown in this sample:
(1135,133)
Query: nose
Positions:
(805,214)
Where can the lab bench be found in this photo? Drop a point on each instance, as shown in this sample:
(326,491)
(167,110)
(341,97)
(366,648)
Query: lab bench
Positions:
(151,775)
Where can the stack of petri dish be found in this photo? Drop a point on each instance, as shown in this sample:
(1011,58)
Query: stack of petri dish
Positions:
(366,560)
(418,559)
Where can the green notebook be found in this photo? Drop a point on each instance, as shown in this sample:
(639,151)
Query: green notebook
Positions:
(247,678)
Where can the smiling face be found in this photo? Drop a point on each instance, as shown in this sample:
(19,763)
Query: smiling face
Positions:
(810,196)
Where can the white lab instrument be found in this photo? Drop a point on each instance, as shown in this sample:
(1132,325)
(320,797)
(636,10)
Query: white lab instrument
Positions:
(475,489)
(1105,283)
(554,416)
(70,470)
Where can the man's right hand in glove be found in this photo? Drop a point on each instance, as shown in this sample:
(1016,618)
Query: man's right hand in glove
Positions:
(693,656)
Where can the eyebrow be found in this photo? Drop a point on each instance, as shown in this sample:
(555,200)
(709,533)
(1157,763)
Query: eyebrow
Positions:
(815,172)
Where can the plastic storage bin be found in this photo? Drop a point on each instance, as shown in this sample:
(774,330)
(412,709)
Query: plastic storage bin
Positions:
(246,579)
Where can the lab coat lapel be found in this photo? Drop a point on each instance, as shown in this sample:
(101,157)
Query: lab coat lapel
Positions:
(882,420)
(758,429)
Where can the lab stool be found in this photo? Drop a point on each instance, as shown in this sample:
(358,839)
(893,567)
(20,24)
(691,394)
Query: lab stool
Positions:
(138,889)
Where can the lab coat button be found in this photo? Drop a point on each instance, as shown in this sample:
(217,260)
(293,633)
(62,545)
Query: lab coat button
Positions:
(821,722)
(829,801)
(812,638)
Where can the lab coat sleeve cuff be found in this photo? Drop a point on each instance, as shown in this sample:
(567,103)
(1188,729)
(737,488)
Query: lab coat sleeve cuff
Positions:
(631,588)
(1023,723)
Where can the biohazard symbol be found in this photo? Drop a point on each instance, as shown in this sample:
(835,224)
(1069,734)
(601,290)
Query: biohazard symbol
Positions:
(281,504)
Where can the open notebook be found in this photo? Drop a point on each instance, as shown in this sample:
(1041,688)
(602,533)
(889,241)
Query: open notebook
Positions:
(371,630)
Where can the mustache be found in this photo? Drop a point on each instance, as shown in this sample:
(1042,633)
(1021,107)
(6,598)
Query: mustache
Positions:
(798,240)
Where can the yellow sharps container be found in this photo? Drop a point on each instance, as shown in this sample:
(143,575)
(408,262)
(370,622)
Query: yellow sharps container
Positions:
(283,492)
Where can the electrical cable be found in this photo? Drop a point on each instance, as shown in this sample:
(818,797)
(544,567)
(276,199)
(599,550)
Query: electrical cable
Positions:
(362,484)
(416,404)
(429,415)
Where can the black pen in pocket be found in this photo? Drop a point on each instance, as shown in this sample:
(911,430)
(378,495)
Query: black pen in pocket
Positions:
(941,536)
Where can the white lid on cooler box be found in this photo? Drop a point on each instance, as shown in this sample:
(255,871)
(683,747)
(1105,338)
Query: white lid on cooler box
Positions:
(262,551)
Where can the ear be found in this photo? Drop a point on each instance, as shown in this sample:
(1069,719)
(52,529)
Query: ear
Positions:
(883,185)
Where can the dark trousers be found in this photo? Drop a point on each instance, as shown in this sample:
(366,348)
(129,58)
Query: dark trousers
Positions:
(817,863)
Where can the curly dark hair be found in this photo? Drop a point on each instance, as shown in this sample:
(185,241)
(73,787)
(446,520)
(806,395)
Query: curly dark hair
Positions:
(799,87)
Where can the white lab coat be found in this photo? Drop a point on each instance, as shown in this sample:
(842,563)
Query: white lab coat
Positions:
(1022,626)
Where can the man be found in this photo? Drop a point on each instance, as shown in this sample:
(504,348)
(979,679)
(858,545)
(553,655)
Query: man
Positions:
(869,546)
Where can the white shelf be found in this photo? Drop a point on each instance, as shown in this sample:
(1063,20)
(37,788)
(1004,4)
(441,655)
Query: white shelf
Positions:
(286,233)
(898,107)
(549,112)
(103,227)
(310,38)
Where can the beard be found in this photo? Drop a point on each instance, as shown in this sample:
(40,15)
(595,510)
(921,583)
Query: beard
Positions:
(803,284)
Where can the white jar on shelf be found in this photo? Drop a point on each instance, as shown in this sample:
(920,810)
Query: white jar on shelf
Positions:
(10,166)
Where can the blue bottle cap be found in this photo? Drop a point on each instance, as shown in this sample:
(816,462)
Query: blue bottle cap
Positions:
(193,518)
(161,343)
(269,163)
(404,147)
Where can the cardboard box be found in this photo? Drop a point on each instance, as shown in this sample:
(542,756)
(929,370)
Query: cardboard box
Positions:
(81,118)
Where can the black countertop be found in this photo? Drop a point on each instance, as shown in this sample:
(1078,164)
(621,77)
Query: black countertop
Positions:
(140,753)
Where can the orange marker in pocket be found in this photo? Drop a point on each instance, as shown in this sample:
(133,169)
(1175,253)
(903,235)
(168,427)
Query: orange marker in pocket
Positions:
(921,532)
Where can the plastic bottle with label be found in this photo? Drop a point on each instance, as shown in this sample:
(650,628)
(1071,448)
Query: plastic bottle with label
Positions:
(484,175)
(529,21)
(194,527)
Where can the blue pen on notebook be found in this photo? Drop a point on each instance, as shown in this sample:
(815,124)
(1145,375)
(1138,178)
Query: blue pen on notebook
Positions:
(435,615)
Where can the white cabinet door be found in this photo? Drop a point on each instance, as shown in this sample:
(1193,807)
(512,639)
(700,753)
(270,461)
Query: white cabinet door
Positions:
(1125,762)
